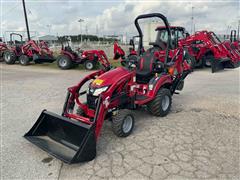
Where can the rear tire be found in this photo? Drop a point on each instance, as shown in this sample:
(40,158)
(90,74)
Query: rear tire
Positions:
(24,60)
(161,105)
(89,65)
(64,62)
(123,123)
(9,57)
(207,60)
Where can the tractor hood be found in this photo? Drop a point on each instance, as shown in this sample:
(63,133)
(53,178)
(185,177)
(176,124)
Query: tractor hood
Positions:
(109,77)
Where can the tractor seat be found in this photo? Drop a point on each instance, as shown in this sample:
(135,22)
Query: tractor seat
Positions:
(144,69)
(159,43)
(68,48)
(18,48)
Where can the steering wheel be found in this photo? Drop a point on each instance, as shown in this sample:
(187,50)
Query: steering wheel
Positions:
(130,61)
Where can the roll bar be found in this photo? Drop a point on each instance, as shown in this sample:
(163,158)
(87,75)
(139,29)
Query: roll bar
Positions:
(16,34)
(233,35)
(151,15)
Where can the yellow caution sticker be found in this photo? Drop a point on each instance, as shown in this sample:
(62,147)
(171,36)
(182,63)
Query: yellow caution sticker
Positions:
(98,82)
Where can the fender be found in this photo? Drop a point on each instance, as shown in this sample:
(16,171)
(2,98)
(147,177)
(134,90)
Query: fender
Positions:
(67,54)
(158,82)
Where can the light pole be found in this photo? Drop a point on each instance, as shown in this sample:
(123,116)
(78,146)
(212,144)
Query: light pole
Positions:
(238,29)
(49,28)
(192,18)
(26,19)
(80,21)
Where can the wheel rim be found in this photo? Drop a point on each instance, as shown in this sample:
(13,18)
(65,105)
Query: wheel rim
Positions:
(89,65)
(127,123)
(7,57)
(22,60)
(208,63)
(63,62)
(165,103)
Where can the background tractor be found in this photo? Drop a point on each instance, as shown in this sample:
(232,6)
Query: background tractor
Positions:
(90,58)
(27,52)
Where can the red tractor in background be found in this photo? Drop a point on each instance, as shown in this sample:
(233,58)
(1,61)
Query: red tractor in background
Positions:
(3,48)
(233,42)
(209,51)
(90,58)
(150,80)
(120,53)
(27,52)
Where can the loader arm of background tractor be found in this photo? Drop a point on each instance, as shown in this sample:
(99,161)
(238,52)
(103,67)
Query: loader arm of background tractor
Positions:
(102,58)
(31,46)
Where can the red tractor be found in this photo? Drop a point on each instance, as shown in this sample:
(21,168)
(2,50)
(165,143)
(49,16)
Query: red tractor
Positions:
(120,53)
(3,48)
(90,58)
(27,52)
(233,43)
(150,81)
(209,51)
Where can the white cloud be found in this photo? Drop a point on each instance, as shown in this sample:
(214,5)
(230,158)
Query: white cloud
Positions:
(118,17)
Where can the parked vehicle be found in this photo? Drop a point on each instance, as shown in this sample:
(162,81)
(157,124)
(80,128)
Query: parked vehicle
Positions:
(3,48)
(149,81)
(27,52)
(90,58)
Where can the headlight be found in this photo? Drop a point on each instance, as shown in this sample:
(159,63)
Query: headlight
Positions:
(99,91)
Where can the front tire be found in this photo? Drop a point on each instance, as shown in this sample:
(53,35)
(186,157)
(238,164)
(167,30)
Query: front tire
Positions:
(9,57)
(161,105)
(64,62)
(89,65)
(123,123)
(191,61)
(24,60)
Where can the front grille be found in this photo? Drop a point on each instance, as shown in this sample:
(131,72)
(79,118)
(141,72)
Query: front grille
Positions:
(92,101)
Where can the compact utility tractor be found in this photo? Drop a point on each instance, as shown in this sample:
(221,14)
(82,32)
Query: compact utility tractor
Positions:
(3,48)
(27,52)
(233,42)
(90,58)
(209,51)
(150,81)
(119,53)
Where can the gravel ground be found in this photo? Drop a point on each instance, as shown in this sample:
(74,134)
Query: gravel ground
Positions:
(198,139)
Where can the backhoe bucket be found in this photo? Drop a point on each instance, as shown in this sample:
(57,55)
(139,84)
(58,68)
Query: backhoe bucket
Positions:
(68,140)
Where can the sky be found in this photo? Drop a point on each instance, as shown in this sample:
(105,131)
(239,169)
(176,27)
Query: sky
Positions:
(115,17)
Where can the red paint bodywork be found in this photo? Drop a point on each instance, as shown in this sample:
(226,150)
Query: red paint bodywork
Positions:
(120,80)
(3,47)
(92,55)
(208,44)
(30,48)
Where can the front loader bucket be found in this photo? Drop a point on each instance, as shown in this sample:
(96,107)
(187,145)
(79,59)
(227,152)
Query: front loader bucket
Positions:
(219,64)
(68,140)
(43,59)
